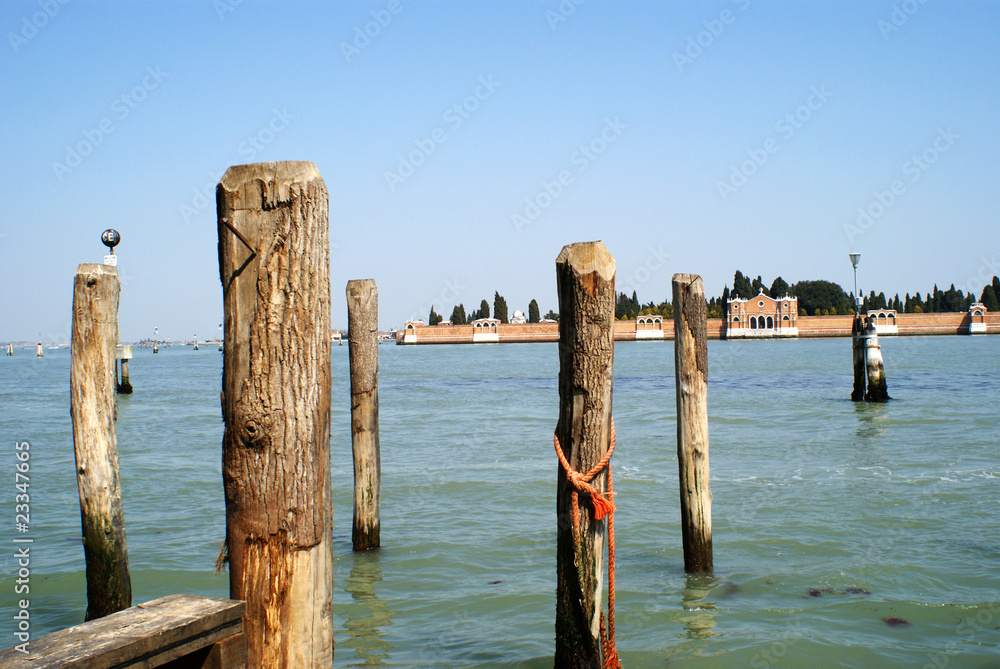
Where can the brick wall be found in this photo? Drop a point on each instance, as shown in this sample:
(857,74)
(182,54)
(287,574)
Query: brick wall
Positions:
(809,326)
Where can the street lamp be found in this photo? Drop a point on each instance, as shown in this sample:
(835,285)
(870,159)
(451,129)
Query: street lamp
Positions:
(855,257)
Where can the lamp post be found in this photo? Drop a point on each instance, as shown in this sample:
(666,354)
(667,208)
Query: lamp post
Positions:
(855,257)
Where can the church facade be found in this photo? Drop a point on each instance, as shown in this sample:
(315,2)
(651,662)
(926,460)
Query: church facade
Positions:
(762,316)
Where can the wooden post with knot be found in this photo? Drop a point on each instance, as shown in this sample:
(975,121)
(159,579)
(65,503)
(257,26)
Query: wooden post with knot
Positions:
(691,371)
(274,263)
(94,410)
(362,341)
(585,279)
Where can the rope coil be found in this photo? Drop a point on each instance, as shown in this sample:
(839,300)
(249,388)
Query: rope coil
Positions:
(603,508)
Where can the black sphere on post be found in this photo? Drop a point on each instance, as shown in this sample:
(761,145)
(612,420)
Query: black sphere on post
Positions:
(110,237)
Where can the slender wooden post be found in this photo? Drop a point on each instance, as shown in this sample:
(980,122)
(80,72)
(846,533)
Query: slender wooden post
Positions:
(691,372)
(362,341)
(585,280)
(877,390)
(94,411)
(125,353)
(274,262)
(858,353)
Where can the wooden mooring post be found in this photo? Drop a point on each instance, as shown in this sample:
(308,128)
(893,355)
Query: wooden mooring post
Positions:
(877,390)
(274,263)
(585,280)
(94,410)
(858,358)
(691,372)
(362,341)
(124,353)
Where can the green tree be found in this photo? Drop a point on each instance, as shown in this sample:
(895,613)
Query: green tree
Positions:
(819,295)
(458,315)
(996,286)
(741,286)
(779,288)
(434,317)
(989,298)
(499,308)
(757,287)
(551,316)
(725,301)
(533,316)
(484,310)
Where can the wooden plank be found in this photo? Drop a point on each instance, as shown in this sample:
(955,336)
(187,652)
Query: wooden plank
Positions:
(147,635)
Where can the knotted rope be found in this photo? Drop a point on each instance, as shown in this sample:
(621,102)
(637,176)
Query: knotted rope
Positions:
(603,507)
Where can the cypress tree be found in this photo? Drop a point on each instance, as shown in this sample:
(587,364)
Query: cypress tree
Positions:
(533,316)
(989,298)
(499,307)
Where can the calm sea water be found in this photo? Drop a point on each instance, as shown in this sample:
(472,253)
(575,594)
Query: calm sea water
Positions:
(830,517)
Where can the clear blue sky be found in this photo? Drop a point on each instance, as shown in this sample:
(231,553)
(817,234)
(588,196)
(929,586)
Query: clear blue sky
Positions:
(866,91)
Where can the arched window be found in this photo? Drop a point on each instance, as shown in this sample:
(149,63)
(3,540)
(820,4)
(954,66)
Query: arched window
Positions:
(892,319)
(784,318)
(770,323)
(753,322)
(409,326)
(736,319)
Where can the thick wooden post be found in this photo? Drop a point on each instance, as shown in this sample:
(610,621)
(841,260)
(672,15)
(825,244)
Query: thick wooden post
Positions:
(858,353)
(691,372)
(94,410)
(274,262)
(585,280)
(362,341)
(877,390)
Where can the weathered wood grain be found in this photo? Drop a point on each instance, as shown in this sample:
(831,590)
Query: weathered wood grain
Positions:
(691,373)
(153,634)
(93,407)
(276,407)
(362,339)
(585,280)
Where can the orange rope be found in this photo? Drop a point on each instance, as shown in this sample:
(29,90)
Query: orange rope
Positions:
(603,507)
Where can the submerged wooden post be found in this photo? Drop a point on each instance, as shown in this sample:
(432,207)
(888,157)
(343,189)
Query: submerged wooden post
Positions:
(691,372)
(858,353)
(94,411)
(125,353)
(877,390)
(274,263)
(362,341)
(585,280)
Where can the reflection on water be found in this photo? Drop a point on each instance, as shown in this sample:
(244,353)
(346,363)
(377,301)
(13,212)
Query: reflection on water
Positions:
(367,615)
(872,419)
(699,613)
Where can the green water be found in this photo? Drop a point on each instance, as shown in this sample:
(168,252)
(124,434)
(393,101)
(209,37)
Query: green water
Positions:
(830,517)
